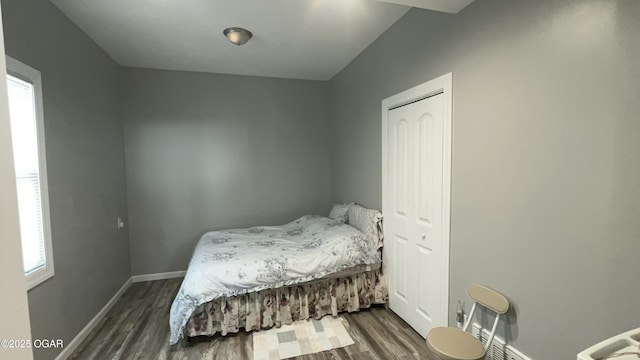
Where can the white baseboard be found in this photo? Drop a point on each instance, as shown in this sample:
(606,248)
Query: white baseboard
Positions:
(73,344)
(158,276)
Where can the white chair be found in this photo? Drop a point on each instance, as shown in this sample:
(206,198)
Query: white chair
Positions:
(454,344)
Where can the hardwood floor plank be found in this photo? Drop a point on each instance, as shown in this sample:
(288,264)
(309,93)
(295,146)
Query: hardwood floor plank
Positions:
(404,337)
(137,327)
(379,345)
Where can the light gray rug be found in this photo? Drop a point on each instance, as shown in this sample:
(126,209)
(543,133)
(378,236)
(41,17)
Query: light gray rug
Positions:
(301,338)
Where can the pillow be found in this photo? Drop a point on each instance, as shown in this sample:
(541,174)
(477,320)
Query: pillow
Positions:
(339,212)
(369,221)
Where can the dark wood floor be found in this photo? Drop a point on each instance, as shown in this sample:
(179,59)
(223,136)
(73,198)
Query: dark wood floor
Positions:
(137,327)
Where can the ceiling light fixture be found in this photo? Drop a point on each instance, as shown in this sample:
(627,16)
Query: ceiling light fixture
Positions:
(237,35)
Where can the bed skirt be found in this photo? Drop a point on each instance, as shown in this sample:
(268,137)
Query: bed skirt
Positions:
(274,307)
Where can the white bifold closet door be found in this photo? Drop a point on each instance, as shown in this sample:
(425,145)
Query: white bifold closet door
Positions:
(413,198)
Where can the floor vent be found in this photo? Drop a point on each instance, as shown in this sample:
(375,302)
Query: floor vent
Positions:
(499,349)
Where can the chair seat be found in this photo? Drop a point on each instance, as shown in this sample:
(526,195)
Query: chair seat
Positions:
(454,344)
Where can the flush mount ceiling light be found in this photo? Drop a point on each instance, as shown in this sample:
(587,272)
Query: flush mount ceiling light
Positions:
(237,35)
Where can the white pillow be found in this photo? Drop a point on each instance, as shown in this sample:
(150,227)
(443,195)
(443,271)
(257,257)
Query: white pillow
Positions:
(369,221)
(339,212)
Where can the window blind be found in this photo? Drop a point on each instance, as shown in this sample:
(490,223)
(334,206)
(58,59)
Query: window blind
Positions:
(22,113)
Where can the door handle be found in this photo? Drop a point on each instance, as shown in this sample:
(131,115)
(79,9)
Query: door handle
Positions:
(423,236)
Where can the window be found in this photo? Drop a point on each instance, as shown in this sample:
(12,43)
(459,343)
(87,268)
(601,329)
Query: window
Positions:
(27,133)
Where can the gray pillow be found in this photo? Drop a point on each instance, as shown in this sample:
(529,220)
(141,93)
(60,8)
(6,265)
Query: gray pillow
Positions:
(369,221)
(339,212)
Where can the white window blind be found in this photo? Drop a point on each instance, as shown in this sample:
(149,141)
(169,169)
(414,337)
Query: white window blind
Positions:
(22,112)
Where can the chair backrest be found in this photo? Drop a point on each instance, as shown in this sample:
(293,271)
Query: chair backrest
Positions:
(491,300)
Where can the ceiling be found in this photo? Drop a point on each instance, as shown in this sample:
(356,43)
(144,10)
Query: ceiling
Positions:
(302,39)
(449,6)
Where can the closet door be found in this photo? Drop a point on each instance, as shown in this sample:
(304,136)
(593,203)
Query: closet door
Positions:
(413,213)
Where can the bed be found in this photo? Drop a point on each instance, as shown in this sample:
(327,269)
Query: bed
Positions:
(266,276)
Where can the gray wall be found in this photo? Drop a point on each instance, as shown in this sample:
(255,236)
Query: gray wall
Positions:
(85,161)
(546,155)
(207,151)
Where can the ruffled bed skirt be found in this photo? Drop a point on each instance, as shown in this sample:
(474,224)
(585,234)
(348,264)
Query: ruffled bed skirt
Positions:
(274,307)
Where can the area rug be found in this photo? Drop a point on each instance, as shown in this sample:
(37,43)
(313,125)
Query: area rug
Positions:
(300,338)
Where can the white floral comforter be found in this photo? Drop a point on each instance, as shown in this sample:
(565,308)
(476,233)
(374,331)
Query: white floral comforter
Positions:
(232,262)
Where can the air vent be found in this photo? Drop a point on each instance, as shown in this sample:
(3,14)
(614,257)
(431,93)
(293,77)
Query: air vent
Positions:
(499,349)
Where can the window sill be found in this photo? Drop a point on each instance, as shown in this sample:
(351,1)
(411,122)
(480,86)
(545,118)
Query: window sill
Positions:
(38,277)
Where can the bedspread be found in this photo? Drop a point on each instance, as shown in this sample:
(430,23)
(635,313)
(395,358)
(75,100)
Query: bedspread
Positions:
(234,262)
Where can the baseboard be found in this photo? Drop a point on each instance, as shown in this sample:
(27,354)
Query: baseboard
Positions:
(158,276)
(73,344)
